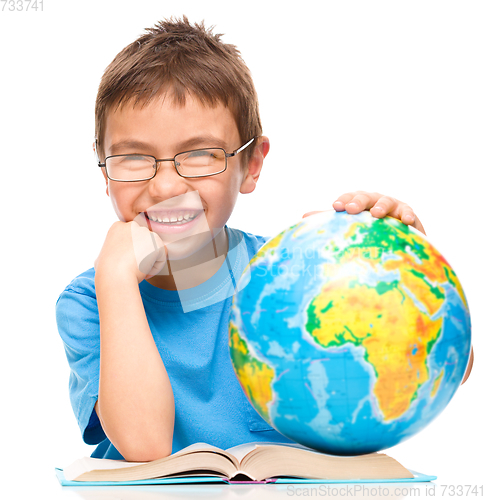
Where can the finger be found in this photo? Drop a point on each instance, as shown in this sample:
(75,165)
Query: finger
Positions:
(159,267)
(361,201)
(340,204)
(385,205)
(308,214)
(404,213)
(418,225)
(141,220)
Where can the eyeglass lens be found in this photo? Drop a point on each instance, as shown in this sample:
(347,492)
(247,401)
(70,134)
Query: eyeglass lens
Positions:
(189,164)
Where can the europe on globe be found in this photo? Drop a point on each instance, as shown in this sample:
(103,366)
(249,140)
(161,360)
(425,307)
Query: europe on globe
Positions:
(350,333)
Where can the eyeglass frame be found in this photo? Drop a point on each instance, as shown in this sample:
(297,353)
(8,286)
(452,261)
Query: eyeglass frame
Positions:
(156,161)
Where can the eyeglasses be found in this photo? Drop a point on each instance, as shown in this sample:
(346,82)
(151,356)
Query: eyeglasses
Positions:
(189,164)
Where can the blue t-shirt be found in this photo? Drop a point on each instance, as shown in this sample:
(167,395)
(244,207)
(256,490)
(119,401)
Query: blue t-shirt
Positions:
(190,329)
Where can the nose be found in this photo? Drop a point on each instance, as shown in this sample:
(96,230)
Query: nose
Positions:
(167,183)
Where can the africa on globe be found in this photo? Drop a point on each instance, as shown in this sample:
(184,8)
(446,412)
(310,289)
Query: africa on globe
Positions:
(351,334)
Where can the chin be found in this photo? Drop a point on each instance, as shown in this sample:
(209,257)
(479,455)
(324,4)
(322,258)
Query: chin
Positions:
(188,247)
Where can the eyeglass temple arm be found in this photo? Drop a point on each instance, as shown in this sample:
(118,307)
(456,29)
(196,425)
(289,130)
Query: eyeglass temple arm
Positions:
(228,155)
(96,153)
(236,151)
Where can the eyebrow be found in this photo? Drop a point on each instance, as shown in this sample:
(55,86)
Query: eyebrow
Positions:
(203,141)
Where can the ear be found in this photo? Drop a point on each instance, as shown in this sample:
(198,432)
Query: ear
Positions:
(255,164)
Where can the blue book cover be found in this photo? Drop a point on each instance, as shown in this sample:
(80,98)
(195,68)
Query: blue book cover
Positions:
(418,477)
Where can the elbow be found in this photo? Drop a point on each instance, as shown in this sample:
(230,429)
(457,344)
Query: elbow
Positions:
(145,453)
(136,446)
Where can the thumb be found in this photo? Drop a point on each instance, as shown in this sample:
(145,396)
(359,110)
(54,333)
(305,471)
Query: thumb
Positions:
(308,214)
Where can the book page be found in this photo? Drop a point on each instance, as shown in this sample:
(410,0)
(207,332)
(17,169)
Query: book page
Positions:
(240,451)
(197,447)
(87,464)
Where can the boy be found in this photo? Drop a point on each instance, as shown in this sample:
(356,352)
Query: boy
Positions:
(178,136)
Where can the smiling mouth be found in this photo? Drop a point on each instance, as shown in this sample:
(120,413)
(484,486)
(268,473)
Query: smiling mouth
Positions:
(175,218)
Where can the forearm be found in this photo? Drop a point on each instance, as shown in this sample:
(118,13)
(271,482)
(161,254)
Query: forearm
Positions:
(135,403)
(469,366)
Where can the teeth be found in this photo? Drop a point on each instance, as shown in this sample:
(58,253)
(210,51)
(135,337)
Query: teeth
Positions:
(174,219)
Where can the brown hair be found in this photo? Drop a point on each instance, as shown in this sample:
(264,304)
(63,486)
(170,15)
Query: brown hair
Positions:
(179,58)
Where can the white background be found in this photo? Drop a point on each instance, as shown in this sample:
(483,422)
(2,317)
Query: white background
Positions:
(382,96)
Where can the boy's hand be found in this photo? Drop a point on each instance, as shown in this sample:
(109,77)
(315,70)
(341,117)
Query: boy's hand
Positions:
(131,248)
(378,205)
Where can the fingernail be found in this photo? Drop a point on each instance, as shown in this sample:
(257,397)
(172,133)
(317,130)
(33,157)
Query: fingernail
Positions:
(409,219)
(340,203)
(352,205)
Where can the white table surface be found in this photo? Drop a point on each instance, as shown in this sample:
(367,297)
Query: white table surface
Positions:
(50,488)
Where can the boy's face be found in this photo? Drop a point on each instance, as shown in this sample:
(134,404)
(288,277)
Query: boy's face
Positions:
(162,129)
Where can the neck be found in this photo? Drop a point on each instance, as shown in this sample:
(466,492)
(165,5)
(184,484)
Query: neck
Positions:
(208,260)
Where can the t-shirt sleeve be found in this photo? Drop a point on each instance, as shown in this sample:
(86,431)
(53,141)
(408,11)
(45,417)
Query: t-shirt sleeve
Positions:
(79,327)
(254,242)
(262,240)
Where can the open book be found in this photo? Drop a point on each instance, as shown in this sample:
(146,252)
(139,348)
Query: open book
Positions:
(246,462)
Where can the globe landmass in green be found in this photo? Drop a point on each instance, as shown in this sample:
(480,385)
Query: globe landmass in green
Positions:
(352,334)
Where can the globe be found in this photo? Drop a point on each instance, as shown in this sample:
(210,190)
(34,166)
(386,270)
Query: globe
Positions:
(349,333)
